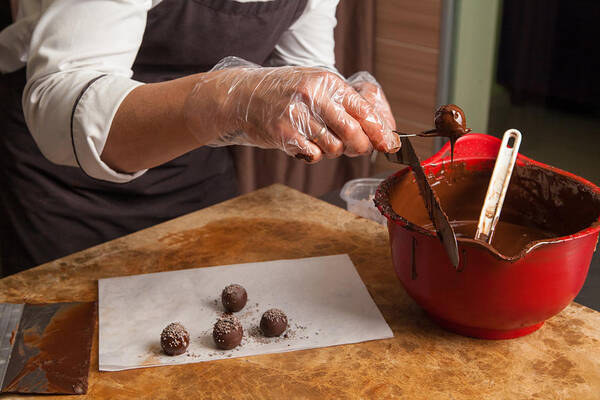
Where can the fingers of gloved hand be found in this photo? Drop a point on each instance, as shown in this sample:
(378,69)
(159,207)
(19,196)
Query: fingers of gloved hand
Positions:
(386,112)
(297,145)
(371,122)
(328,142)
(369,91)
(311,126)
(374,95)
(346,128)
(360,77)
(368,87)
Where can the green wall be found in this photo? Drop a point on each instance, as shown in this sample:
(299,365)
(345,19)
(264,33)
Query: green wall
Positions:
(474,58)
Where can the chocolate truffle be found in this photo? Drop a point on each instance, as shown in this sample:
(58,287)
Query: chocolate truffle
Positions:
(273,322)
(228,332)
(174,339)
(234,297)
(450,121)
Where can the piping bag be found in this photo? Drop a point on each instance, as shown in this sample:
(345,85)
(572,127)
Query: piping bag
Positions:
(45,348)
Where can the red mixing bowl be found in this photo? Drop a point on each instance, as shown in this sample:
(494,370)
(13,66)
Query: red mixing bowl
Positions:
(492,296)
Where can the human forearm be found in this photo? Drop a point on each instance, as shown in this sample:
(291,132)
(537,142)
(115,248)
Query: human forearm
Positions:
(149,127)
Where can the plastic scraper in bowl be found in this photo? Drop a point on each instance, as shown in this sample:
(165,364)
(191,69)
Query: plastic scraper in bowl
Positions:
(496,192)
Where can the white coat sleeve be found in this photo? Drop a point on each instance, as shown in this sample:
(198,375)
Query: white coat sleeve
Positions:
(78,73)
(309,41)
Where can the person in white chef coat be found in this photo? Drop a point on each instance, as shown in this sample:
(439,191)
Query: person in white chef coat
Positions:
(116,115)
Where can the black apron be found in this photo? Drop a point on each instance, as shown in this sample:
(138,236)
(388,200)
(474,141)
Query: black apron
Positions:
(49,211)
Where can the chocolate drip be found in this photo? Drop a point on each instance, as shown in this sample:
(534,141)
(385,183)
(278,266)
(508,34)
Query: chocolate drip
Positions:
(450,122)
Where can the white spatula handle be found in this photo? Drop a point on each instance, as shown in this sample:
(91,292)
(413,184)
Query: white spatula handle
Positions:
(496,192)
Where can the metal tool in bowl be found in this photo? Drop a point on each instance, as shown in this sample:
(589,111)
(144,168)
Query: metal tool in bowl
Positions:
(407,156)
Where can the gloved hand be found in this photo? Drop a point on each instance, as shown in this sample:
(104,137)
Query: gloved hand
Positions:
(306,112)
(367,86)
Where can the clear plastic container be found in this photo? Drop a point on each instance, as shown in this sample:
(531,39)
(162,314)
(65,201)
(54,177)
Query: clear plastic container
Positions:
(359,194)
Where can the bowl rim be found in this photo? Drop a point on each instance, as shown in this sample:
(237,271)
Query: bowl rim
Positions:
(440,159)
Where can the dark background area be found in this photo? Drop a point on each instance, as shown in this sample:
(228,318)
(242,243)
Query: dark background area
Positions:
(548,87)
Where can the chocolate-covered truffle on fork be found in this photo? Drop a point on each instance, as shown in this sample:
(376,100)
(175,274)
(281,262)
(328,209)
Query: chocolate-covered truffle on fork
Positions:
(234,297)
(450,122)
(228,332)
(273,322)
(174,339)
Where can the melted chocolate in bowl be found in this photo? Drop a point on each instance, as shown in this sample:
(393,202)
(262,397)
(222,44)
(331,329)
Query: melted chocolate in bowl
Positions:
(541,206)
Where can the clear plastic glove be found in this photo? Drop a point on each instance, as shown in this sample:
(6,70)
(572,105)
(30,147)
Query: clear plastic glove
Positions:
(368,87)
(308,113)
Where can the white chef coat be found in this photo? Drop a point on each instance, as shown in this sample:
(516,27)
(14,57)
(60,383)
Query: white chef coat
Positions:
(66,44)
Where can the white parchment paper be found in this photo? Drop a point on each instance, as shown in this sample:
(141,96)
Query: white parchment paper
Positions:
(324,298)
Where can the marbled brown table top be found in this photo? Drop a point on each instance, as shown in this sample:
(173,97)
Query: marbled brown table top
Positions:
(560,361)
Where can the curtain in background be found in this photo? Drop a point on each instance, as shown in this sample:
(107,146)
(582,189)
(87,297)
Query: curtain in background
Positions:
(547,48)
(354,47)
